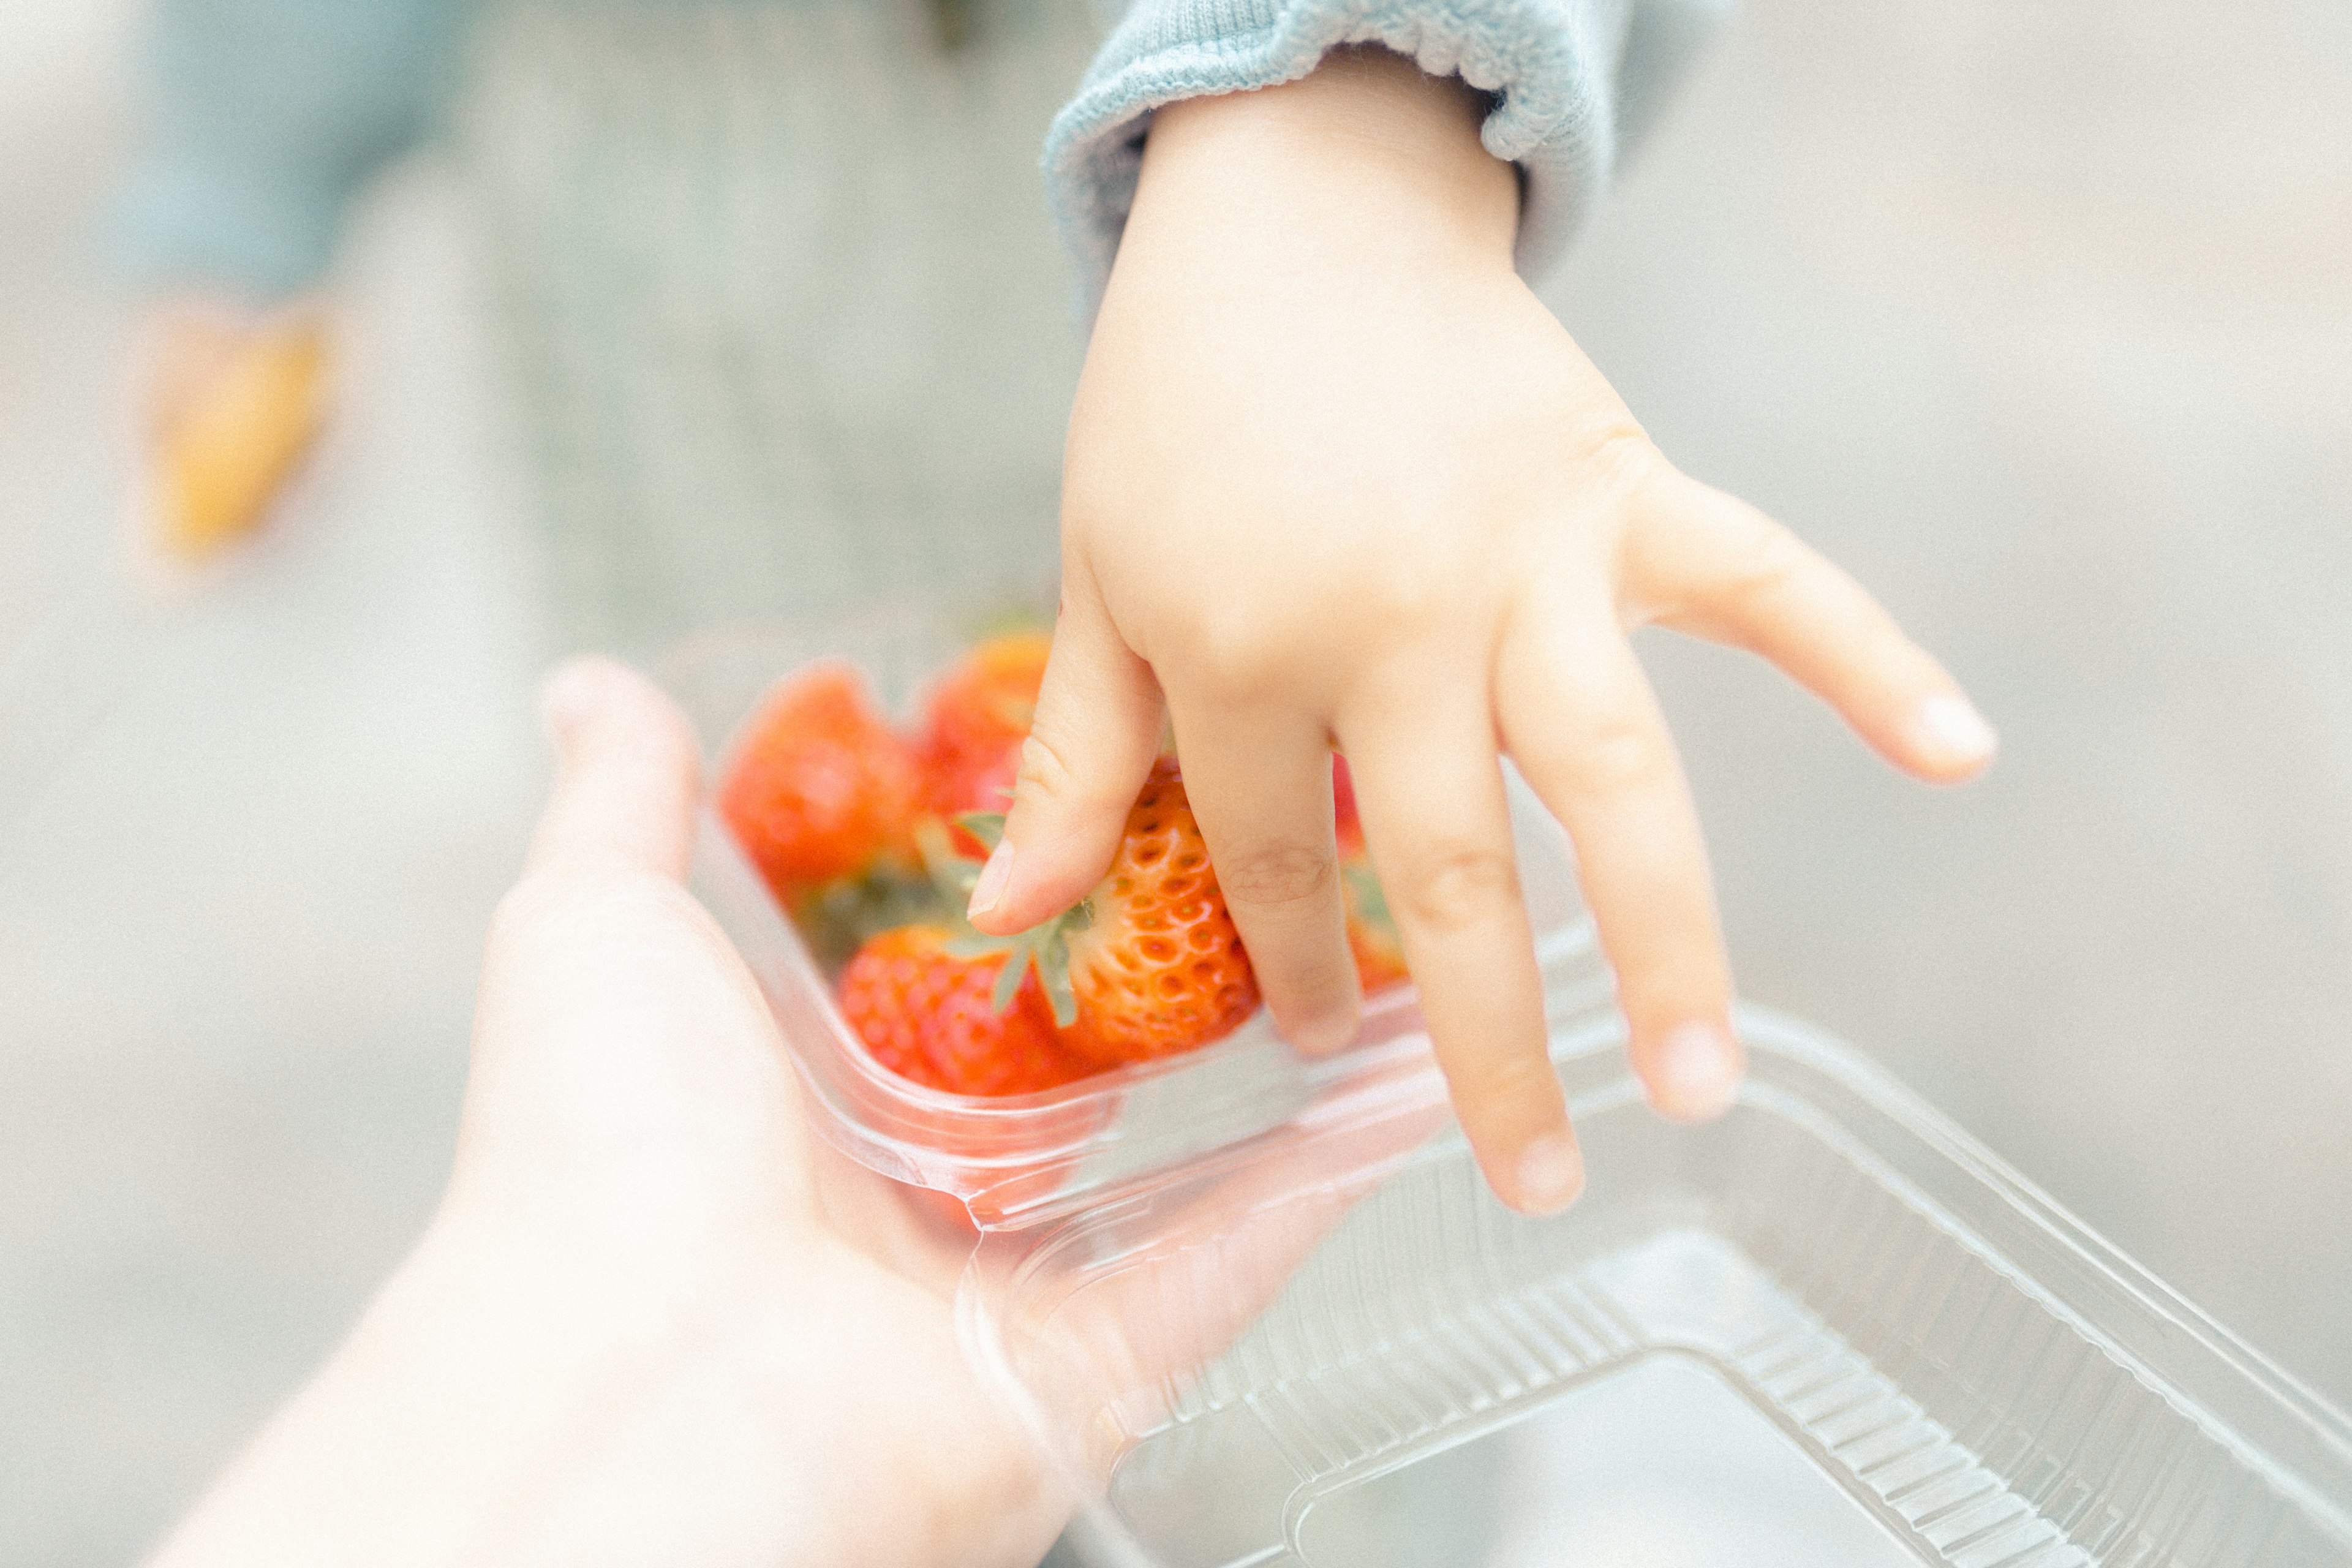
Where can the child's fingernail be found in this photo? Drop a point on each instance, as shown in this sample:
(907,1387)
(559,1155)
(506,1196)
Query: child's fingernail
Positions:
(989,891)
(1551,1173)
(1695,1072)
(1954,731)
(1322,1036)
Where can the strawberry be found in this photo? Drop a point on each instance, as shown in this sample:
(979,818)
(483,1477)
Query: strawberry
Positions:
(1372,930)
(821,787)
(930,1015)
(1150,963)
(1345,817)
(978,716)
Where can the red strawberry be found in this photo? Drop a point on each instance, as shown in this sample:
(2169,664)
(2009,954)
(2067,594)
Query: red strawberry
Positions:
(1372,930)
(1149,964)
(977,718)
(931,1016)
(821,787)
(1345,817)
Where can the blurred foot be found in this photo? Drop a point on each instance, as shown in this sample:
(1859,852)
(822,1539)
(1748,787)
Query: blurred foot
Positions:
(231,399)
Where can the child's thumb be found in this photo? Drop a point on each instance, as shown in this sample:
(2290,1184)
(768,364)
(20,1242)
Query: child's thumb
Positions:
(1091,746)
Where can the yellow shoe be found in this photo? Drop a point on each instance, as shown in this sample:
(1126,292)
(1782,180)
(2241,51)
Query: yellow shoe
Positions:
(234,431)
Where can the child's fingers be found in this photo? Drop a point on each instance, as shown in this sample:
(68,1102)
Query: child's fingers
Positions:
(1579,719)
(625,778)
(1260,785)
(1090,747)
(1711,565)
(1429,788)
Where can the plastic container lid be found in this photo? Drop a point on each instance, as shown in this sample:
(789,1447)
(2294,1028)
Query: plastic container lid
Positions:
(1263,1310)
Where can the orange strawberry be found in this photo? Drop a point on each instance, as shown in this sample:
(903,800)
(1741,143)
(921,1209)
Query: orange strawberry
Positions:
(1372,930)
(1150,963)
(930,1015)
(976,720)
(821,788)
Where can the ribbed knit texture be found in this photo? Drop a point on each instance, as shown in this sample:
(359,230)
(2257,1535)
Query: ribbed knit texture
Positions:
(1564,74)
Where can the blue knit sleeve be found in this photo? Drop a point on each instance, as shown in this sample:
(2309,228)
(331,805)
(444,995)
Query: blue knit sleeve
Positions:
(263,119)
(1571,80)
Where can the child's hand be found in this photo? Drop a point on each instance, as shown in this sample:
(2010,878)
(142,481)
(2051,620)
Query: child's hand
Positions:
(1336,476)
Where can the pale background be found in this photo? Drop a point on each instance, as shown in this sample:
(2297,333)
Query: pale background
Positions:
(2039,317)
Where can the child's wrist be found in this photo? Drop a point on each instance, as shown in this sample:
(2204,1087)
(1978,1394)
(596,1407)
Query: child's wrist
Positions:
(1368,146)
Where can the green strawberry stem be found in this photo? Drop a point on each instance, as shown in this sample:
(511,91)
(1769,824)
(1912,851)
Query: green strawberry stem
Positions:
(1364,889)
(1046,947)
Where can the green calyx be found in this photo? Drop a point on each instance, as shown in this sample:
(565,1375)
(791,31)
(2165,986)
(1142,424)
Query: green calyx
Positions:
(1364,895)
(838,918)
(1045,947)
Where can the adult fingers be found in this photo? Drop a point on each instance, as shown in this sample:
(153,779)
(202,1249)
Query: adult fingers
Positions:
(1429,788)
(1090,747)
(624,779)
(1579,719)
(1260,785)
(620,1046)
(1709,564)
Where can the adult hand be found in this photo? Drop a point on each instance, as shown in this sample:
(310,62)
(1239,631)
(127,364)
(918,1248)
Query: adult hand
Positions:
(654,1320)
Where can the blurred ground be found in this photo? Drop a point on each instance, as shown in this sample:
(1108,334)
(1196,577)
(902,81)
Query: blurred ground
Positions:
(2036,317)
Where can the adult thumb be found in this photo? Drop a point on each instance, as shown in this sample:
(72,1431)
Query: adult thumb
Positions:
(624,776)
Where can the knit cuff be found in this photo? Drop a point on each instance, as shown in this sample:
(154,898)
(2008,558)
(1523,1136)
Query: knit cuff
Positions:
(1553,67)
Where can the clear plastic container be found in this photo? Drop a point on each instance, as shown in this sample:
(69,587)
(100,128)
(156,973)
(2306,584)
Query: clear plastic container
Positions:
(1263,1310)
